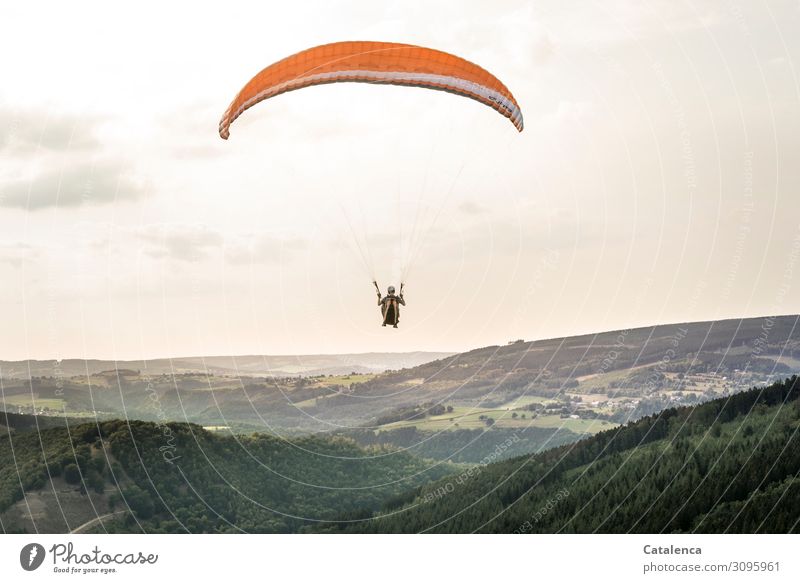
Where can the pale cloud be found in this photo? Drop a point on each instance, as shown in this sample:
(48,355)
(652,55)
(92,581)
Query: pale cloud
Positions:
(180,242)
(617,22)
(570,112)
(471,207)
(83,183)
(15,253)
(252,249)
(26,131)
(543,50)
(55,158)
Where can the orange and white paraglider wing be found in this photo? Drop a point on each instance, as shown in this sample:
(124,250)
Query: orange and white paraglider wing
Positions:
(375,62)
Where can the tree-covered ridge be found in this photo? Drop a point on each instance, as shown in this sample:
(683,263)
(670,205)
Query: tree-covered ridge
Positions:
(178,477)
(729,465)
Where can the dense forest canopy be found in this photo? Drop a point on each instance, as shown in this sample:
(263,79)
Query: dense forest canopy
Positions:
(730,465)
(177,477)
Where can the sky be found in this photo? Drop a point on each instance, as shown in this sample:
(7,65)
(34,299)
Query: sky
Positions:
(656,179)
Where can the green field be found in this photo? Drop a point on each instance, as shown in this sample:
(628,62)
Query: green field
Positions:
(576,425)
(27,401)
(345,380)
(602,381)
(469,418)
(524,401)
(312,402)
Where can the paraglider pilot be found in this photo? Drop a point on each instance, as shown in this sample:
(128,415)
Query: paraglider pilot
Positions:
(390,305)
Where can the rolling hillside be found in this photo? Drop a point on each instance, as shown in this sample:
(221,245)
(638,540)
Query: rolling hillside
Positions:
(177,477)
(544,393)
(247,365)
(729,465)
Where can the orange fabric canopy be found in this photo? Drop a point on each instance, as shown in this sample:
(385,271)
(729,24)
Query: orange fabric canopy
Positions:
(375,62)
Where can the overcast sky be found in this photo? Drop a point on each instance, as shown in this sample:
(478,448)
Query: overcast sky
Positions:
(657,179)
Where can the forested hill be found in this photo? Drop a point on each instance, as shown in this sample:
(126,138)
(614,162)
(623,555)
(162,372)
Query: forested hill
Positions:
(728,465)
(177,477)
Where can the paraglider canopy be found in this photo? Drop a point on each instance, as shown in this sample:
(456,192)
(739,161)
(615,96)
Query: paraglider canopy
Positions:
(379,63)
(374,62)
